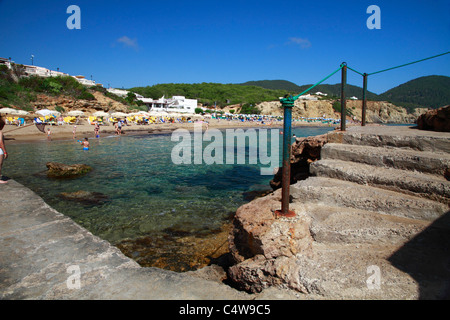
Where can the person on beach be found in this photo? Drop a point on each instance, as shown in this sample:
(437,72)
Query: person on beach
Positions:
(118,127)
(3,153)
(96,129)
(85,144)
(74,132)
(49,138)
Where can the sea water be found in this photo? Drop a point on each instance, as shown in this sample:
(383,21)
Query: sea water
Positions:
(142,190)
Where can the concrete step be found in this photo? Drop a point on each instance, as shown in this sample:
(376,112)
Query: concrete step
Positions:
(416,269)
(392,136)
(352,195)
(332,224)
(405,159)
(367,271)
(38,245)
(409,182)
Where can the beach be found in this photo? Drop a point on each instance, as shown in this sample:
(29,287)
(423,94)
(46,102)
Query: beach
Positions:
(29,132)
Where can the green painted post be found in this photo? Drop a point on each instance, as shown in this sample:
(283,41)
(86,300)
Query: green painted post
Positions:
(288,104)
(343,102)
(364,101)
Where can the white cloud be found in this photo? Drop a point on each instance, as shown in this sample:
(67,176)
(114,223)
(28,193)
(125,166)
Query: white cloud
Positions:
(132,43)
(302,42)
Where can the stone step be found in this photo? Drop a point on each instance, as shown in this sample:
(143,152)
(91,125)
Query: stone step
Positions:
(405,159)
(370,272)
(38,245)
(416,269)
(392,136)
(409,182)
(332,224)
(352,195)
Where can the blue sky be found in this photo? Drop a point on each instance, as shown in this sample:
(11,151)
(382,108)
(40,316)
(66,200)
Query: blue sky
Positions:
(139,43)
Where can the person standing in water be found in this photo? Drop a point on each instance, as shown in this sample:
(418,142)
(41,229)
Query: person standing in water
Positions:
(85,144)
(97,129)
(3,153)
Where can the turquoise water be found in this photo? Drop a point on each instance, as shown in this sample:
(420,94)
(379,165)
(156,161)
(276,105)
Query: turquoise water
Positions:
(145,192)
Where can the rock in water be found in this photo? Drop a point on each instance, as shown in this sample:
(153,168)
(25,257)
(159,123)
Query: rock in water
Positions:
(60,170)
(435,120)
(85,197)
(304,152)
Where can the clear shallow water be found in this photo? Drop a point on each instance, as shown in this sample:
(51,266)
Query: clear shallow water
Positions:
(145,191)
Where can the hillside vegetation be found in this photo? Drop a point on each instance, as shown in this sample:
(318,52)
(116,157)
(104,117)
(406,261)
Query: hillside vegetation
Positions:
(22,92)
(332,90)
(212,93)
(424,92)
(430,92)
(274,85)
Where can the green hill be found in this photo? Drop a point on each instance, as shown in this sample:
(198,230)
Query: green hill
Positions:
(430,92)
(212,93)
(274,85)
(333,90)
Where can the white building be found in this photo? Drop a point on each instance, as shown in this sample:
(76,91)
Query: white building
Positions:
(318,93)
(84,81)
(178,104)
(44,72)
(308,97)
(6,62)
(353,98)
(118,92)
(122,93)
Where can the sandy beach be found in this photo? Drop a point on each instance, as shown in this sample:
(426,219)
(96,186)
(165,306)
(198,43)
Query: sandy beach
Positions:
(29,132)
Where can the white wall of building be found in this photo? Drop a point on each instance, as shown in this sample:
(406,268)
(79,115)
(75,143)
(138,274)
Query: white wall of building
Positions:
(122,93)
(178,104)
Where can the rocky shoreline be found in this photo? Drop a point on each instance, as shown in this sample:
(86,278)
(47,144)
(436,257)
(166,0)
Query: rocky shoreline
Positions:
(369,197)
(376,199)
(328,251)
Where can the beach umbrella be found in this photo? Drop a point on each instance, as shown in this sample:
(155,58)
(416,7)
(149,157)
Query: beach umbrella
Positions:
(7,110)
(20,112)
(14,111)
(175,114)
(75,113)
(119,114)
(100,114)
(46,112)
(140,113)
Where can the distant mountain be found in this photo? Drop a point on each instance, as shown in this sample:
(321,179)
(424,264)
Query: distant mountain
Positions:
(430,92)
(212,93)
(330,89)
(335,90)
(273,85)
(423,92)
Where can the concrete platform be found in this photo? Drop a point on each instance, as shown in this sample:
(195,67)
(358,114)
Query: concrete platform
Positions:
(378,199)
(46,255)
(394,136)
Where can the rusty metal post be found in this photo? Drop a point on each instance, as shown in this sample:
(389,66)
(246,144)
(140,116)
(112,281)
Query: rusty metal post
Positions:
(364,100)
(288,104)
(343,102)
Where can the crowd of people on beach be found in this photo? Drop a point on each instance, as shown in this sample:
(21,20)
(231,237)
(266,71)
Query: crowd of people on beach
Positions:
(3,152)
(143,119)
